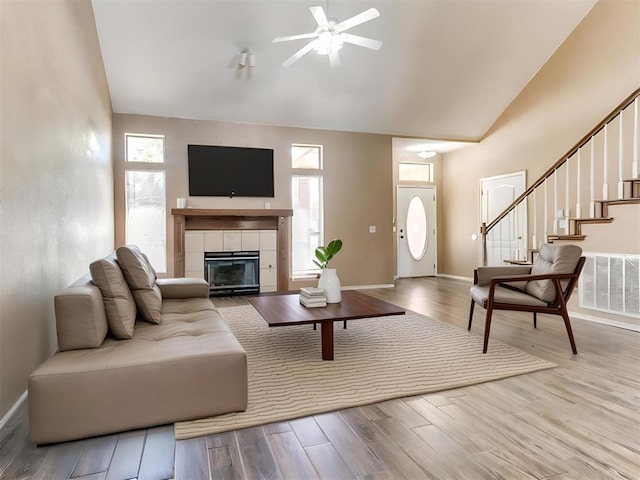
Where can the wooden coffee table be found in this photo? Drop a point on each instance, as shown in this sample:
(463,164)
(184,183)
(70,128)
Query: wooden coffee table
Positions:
(280,310)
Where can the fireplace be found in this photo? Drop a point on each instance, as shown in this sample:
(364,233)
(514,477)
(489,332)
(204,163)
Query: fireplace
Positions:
(232,273)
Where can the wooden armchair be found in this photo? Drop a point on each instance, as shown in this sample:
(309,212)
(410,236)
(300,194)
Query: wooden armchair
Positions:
(544,287)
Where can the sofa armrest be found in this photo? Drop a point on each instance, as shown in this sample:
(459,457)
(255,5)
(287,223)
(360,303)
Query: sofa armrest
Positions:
(183,287)
(485,274)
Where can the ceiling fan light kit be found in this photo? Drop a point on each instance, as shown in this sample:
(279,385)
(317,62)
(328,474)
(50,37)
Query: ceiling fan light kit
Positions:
(329,36)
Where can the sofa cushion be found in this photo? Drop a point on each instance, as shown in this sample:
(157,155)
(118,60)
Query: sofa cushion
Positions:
(183,287)
(80,317)
(142,280)
(552,259)
(119,304)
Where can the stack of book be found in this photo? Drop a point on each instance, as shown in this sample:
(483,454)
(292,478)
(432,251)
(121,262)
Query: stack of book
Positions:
(312,297)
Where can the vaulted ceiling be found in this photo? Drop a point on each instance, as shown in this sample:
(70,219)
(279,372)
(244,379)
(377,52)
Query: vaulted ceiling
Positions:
(447,68)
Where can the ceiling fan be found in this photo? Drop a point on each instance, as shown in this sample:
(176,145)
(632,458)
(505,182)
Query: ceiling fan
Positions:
(329,36)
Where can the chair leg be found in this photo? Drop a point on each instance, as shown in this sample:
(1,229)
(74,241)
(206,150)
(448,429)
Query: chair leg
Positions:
(471,313)
(487,327)
(567,324)
(535,319)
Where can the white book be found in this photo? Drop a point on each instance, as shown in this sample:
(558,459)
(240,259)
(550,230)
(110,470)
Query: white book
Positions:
(312,297)
(313,300)
(313,303)
(312,291)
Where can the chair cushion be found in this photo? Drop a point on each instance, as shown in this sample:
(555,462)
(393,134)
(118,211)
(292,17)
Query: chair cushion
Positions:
(119,304)
(80,317)
(552,259)
(480,294)
(142,280)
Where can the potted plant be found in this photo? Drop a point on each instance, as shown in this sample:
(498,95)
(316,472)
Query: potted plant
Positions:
(325,254)
(329,280)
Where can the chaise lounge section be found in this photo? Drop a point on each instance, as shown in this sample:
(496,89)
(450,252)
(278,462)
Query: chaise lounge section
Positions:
(185,364)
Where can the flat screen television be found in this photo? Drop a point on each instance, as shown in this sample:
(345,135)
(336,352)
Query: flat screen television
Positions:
(217,171)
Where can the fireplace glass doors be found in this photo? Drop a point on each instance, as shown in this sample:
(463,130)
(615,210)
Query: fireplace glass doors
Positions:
(232,273)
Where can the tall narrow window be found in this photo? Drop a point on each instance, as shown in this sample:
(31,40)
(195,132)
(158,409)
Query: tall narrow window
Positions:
(306,191)
(146,198)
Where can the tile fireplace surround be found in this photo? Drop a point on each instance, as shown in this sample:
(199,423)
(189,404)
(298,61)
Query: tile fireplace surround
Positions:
(198,230)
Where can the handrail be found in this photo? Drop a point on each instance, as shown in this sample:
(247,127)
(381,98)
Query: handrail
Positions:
(485,229)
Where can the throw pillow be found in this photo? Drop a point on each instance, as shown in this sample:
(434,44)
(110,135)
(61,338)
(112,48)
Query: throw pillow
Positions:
(142,280)
(119,304)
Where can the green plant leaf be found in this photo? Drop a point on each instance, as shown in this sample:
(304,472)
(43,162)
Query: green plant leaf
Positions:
(324,254)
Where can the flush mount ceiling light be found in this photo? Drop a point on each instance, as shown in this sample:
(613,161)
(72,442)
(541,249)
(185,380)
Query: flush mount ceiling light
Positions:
(246,58)
(427,154)
(330,35)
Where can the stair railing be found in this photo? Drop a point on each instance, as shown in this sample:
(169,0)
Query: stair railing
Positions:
(510,213)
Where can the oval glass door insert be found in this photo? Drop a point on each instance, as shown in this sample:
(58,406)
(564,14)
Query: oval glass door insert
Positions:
(417,228)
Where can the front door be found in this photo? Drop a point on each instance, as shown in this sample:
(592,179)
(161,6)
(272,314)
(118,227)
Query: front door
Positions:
(416,231)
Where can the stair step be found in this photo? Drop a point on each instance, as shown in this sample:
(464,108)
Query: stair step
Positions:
(578,238)
(592,220)
(619,201)
(517,262)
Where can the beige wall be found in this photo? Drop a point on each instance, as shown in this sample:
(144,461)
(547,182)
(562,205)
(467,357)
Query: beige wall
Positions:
(592,72)
(358,189)
(56,178)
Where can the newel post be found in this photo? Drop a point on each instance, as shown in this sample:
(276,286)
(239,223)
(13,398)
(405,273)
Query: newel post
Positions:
(483,232)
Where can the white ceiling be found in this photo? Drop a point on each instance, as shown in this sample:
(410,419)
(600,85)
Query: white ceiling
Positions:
(447,69)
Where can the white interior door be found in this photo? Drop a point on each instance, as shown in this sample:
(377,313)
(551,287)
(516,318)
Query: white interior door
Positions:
(416,231)
(507,240)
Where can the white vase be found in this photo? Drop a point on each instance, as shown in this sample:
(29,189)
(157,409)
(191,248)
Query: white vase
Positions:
(330,282)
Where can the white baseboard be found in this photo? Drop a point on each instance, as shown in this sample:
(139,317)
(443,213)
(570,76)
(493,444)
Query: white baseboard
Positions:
(366,287)
(13,409)
(456,277)
(605,321)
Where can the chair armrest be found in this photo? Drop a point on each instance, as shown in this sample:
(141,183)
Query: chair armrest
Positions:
(183,287)
(483,275)
(530,278)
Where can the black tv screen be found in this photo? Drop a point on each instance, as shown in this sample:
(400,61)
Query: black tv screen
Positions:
(216,171)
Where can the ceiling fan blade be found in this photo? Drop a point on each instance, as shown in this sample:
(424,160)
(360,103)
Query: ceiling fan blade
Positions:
(362,41)
(294,37)
(358,19)
(334,58)
(320,16)
(299,54)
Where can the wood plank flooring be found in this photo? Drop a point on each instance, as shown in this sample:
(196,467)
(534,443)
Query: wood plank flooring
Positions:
(578,421)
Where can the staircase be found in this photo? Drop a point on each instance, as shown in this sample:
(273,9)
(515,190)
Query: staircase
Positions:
(564,198)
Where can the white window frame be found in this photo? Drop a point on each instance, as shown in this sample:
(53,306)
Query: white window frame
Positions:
(314,173)
(145,167)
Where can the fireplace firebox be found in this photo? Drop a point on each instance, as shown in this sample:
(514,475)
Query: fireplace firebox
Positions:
(232,273)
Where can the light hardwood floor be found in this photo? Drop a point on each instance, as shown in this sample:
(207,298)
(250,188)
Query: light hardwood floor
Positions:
(578,421)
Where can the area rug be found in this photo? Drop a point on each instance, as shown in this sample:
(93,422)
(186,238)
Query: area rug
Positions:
(376,359)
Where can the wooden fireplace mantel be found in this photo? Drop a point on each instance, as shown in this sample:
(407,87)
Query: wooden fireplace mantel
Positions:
(232,219)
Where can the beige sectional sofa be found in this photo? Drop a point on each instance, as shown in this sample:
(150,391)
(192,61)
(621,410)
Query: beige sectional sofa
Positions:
(134,351)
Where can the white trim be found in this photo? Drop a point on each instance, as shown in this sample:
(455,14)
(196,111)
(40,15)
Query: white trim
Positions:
(456,277)
(12,410)
(366,287)
(604,321)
